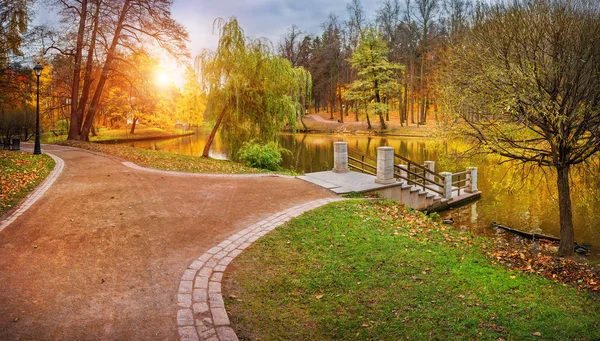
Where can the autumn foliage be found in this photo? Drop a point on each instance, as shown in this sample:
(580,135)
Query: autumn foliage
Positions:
(21,172)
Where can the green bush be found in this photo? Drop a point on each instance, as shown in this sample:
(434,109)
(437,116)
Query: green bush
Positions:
(266,156)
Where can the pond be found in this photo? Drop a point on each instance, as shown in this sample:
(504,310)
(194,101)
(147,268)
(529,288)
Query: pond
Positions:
(529,204)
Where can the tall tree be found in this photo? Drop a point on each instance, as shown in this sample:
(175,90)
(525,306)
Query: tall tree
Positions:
(389,22)
(427,10)
(106,31)
(375,73)
(328,63)
(251,92)
(529,89)
(295,47)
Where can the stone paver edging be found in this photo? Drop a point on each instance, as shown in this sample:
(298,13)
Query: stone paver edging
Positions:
(207,175)
(39,191)
(202,314)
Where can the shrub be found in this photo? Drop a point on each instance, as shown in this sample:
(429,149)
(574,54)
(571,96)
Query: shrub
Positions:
(266,156)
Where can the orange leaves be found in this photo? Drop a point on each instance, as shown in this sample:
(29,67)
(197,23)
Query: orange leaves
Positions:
(563,270)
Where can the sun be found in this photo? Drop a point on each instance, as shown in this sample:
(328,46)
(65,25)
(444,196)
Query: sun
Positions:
(162,79)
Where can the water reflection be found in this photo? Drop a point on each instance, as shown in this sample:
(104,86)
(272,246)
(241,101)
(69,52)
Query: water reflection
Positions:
(528,204)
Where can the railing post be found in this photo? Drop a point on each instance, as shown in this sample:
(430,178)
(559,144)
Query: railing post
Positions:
(385,165)
(403,172)
(431,166)
(472,180)
(340,157)
(447,189)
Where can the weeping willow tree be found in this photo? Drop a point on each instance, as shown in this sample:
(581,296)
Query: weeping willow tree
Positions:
(252,93)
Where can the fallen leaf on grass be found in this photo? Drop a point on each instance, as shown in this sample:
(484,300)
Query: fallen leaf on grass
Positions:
(319,297)
(537,334)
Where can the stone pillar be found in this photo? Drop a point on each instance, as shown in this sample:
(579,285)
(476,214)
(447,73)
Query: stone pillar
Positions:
(472,179)
(385,165)
(431,166)
(447,184)
(340,157)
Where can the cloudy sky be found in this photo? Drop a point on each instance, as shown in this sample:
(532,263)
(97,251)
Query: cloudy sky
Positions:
(258,18)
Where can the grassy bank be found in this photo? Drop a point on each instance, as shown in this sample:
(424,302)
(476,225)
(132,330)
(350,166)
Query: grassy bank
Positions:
(21,172)
(361,270)
(103,135)
(168,161)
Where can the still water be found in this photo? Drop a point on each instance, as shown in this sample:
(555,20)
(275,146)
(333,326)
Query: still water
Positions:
(529,204)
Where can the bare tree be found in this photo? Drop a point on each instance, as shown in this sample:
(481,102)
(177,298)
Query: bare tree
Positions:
(427,10)
(529,89)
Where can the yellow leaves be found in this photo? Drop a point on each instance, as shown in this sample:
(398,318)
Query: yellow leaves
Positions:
(21,172)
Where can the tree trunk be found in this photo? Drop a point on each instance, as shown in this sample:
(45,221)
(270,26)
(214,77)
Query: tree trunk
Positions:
(400,102)
(378,100)
(303,124)
(211,137)
(387,110)
(132,131)
(341,108)
(412,95)
(76,114)
(110,56)
(367,115)
(405,108)
(422,87)
(567,243)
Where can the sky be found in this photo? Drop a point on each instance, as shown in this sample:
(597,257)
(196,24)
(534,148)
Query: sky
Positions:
(259,18)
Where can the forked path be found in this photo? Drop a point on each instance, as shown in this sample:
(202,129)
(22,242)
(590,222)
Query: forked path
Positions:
(101,254)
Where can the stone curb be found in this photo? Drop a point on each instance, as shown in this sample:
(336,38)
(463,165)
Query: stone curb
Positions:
(204,175)
(39,191)
(202,314)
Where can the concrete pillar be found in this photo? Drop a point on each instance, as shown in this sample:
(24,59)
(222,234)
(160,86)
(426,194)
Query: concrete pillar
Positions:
(431,166)
(447,189)
(472,179)
(340,157)
(385,165)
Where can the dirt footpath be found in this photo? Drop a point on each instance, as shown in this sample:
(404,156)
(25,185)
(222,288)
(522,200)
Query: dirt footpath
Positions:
(101,254)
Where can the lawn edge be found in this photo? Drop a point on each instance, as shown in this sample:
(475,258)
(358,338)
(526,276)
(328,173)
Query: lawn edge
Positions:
(200,285)
(36,194)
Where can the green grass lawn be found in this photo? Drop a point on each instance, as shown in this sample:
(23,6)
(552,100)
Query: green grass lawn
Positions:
(168,161)
(364,270)
(21,172)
